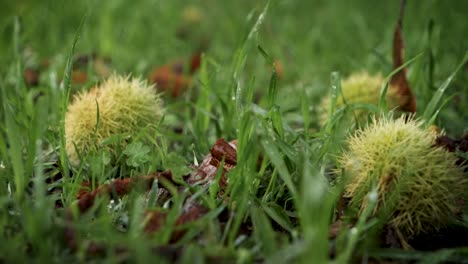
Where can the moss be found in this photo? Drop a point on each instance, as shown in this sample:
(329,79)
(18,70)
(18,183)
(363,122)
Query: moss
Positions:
(360,88)
(418,184)
(125,106)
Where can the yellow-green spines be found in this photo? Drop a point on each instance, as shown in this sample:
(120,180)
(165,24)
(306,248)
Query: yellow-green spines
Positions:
(125,106)
(418,183)
(360,88)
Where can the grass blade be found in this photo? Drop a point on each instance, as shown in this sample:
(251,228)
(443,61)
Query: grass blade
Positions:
(431,110)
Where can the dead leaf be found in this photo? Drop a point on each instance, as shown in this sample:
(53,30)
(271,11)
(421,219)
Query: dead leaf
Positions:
(399,81)
(171,79)
(120,188)
(208,169)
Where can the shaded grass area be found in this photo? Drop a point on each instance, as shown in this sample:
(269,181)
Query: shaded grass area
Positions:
(280,207)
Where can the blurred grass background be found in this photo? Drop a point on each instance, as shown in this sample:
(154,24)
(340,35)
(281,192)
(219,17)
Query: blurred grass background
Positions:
(311,39)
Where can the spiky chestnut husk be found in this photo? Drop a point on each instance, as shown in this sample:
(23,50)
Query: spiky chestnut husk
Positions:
(418,184)
(125,106)
(360,88)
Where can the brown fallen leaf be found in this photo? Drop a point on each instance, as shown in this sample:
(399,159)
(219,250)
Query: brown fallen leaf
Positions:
(171,78)
(206,172)
(100,66)
(85,188)
(79,77)
(279,69)
(120,187)
(399,81)
(157,219)
(31,76)
(222,149)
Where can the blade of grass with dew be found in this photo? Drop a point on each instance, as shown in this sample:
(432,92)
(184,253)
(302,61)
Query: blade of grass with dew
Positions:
(36,127)
(285,147)
(305,111)
(244,134)
(276,121)
(13,136)
(275,212)
(12,129)
(431,108)
(240,196)
(335,88)
(277,160)
(328,132)
(37,215)
(442,105)
(241,57)
(315,206)
(263,232)
(385,85)
(272,88)
(241,178)
(352,235)
(203,107)
(65,99)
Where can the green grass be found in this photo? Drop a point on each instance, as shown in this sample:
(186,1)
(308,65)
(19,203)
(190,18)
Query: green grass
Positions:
(281,207)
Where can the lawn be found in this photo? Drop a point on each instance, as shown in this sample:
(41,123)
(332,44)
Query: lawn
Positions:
(233,131)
